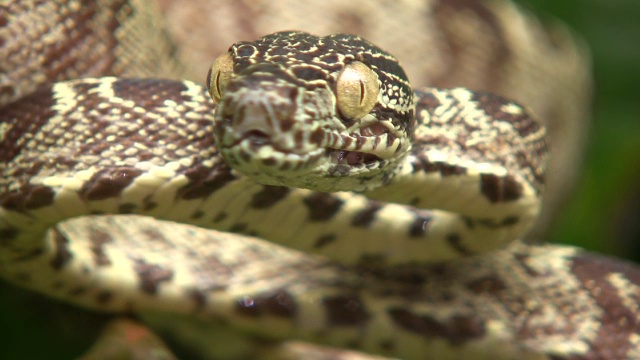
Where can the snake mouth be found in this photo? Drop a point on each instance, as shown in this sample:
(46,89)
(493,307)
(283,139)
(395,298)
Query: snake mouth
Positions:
(352,158)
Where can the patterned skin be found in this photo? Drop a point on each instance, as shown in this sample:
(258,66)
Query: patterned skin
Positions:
(521,302)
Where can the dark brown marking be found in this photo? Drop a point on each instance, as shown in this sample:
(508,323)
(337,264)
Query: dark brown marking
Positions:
(493,105)
(62,255)
(388,345)
(458,329)
(199,298)
(455,242)
(98,240)
(510,221)
(486,285)
(127,208)
(451,170)
(619,321)
(499,188)
(322,206)
(7,235)
(104,297)
(269,196)
(24,118)
(280,304)
(523,259)
(317,137)
(324,240)
(343,310)
(151,276)
(220,217)
(425,101)
(31,255)
(419,226)
(39,196)
(109,183)
(77,291)
(204,181)
(365,217)
(148,203)
(28,198)
(239,228)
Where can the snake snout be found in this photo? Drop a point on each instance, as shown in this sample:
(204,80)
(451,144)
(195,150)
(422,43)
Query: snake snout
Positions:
(253,121)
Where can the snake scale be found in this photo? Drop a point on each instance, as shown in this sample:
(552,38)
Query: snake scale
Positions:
(389,276)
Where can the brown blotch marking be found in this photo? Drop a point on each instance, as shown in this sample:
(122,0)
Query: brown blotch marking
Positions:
(198,297)
(39,196)
(499,188)
(523,259)
(492,104)
(450,170)
(270,161)
(197,214)
(77,291)
(7,235)
(148,203)
(316,137)
(345,310)
(372,260)
(109,183)
(220,217)
(31,255)
(127,208)
(419,226)
(146,90)
(269,196)
(618,322)
(365,217)
(28,198)
(151,276)
(104,297)
(347,140)
(98,240)
(455,242)
(510,221)
(62,255)
(324,240)
(387,345)
(458,329)
(322,206)
(491,285)
(280,304)
(204,181)
(239,228)
(24,118)
(425,101)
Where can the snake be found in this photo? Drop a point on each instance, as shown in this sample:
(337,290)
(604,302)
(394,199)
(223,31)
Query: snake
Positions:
(306,191)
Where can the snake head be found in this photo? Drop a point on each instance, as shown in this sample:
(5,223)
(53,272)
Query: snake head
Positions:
(324,113)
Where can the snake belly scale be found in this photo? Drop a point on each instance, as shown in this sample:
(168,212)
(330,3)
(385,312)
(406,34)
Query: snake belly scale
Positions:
(315,143)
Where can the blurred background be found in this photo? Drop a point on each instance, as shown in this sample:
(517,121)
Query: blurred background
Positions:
(603,215)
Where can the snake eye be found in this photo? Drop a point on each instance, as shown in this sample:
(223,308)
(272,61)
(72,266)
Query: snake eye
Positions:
(219,74)
(357,90)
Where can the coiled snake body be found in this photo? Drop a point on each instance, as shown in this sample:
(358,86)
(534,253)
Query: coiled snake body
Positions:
(296,118)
